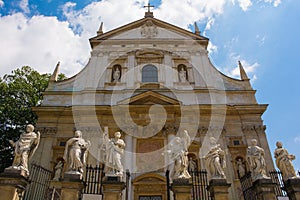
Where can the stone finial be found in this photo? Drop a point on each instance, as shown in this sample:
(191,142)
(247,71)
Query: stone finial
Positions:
(100,30)
(54,76)
(243,72)
(197,31)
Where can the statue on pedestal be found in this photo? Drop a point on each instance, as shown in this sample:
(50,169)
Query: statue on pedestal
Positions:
(256,161)
(241,167)
(116,75)
(75,154)
(284,162)
(24,149)
(182,75)
(58,169)
(178,152)
(215,160)
(114,153)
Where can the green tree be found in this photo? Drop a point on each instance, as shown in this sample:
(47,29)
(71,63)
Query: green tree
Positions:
(19,92)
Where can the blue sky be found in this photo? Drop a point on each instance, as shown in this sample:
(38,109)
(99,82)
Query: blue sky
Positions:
(263,34)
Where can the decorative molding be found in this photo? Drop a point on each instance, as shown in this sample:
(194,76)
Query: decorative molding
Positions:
(47,130)
(149,30)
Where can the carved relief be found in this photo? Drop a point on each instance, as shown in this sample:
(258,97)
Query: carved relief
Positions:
(149,30)
(47,130)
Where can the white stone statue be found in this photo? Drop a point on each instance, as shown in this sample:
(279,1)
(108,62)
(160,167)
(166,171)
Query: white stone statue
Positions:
(178,151)
(240,167)
(58,170)
(116,75)
(182,75)
(76,151)
(215,160)
(24,149)
(256,161)
(192,166)
(114,153)
(284,162)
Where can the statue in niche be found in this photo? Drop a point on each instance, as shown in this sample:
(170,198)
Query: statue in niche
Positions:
(256,160)
(284,162)
(215,160)
(116,75)
(76,151)
(182,75)
(114,153)
(58,169)
(192,166)
(24,149)
(240,167)
(178,151)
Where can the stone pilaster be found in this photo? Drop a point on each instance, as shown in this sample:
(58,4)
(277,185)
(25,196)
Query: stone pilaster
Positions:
(112,188)
(182,189)
(292,187)
(265,189)
(12,186)
(218,189)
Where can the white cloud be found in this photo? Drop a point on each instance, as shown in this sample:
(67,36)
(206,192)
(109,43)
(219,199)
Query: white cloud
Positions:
(249,68)
(31,41)
(297,140)
(1,3)
(24,6)
(245,4)
(41,41)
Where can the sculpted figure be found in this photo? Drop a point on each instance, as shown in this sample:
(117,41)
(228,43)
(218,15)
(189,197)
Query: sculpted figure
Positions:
(114,153)
(75,154)
(58,169)
(178,153)
(256,160)
(182,75)
(192,165)
(24,149)
(215,160)
(116,75)
(241,167)
(284,162)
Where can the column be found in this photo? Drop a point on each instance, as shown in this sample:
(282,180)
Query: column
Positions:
(292,186)
(182,189)
(112,189)
(218,189)
(12,186)
(265,189)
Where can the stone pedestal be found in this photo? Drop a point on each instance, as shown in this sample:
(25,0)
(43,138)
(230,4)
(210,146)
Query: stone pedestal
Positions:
(182,189)
(292,187)
(265,189)
(218,189)
(70,187)
(12,185)
(112,188)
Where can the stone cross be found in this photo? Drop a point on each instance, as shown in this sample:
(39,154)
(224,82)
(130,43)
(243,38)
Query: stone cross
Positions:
(149,6)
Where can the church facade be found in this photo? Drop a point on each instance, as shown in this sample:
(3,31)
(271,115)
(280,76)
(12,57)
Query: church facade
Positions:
(151,80)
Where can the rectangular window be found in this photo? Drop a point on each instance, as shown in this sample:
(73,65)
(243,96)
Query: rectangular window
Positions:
(150,197)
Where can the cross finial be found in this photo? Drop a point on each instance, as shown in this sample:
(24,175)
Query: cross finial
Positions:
(149,13)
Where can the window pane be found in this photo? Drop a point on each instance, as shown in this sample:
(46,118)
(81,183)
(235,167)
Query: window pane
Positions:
(149,74)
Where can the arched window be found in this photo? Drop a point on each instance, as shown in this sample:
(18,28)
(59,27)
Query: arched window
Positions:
(149,74)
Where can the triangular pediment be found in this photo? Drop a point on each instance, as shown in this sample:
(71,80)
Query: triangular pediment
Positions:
(148,28)
(150,98)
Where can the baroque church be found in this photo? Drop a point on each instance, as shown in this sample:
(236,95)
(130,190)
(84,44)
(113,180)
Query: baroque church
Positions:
(150,80)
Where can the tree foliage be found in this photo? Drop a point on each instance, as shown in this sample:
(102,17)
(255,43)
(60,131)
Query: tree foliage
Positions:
(19,92)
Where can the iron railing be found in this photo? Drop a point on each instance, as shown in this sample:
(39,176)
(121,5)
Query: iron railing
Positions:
(39,180)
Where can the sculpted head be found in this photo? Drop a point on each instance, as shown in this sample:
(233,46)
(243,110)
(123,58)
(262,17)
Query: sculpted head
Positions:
(78,134)
(29,128)
(253,142)
(279,144)
(118,134)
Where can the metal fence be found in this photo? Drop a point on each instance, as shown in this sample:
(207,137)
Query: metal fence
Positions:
(200,184)
(249,192)
(39,180)
(93,179)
